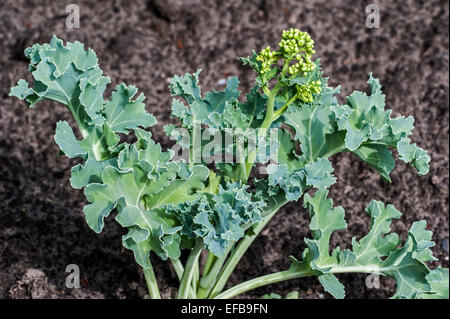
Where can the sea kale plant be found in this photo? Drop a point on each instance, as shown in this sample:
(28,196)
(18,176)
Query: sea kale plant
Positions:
(236,161)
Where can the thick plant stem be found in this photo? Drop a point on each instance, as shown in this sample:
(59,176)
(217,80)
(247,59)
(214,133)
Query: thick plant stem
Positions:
(251,158)
(303,271)
(152,284)
(82,129)
(283,109)
(271,116)
(262,281)
(207,280)
(185,284)
(271,99)
(193,157)
(209,262)
(179,269)
(240,250)
(196,275)
(270,106)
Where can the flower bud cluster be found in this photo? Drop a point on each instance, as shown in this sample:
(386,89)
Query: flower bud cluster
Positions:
(305,92)
(296,46)
(267,59)
(294,41)
(303,66)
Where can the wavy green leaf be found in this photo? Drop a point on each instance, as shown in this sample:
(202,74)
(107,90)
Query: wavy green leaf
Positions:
(295,182)
(379,252)
(366,123)
(219,219)
(122,112)
(199,109)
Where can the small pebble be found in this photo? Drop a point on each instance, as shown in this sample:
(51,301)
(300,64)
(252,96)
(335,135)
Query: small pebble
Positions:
(221,82)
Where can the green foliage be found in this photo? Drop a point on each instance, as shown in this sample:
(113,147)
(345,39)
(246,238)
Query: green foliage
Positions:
(168,205)
(295,182)
(201,110)
(219,219)
(368,124)
(362,126)
(380,251)
(135,179)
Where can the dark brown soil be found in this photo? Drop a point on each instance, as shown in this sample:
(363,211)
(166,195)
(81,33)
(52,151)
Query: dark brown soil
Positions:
(42,228)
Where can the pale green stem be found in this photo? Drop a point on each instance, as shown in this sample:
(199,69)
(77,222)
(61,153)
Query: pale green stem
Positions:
(270,106)
(248,165)
(179,269)
(195,147)
(288,274)
(285,66)
(83,130)
(334,151)
(207,280)
(242,161)
(270,117)
(152,284)
(209,262)
(196,275)
(262,281)
(281,110)
(189,270)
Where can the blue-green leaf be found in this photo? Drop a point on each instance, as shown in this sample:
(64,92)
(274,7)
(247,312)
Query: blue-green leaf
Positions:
(218,219)
(66,140)
(379,252)
(122,112)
